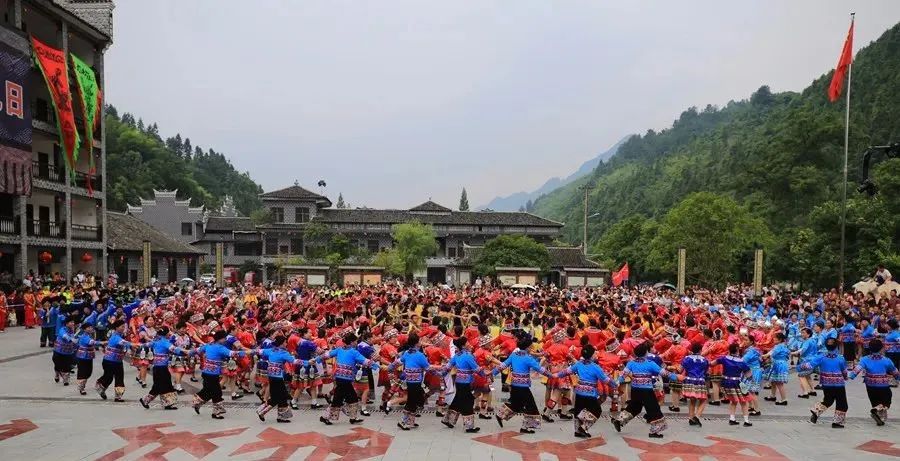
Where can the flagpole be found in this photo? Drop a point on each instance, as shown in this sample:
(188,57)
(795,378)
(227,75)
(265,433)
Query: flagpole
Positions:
(846,155)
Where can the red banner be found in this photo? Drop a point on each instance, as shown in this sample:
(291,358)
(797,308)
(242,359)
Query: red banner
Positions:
(620,276)
(53,65)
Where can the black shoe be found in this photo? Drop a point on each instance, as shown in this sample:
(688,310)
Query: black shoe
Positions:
(214,416)
(356,421)
(813,417)
(370,402)
(65,384)
(754,413)
(179,391)
(500,421)
(526,431)
(837,426)
(767,386)
(56,378)
(261,417)
(294,406)
(691,422)
(675,409)
(732,422)
(714,403)
(817,387)
(803,396)
(194,380)
(697,420)
(237,396)
(282,420)
(547,418)
(82,392)
(170,407)
(437,413)
(481,416)
(402,427)
(473,430)
(196,408)
(769,399)
(325,421)
(315,406)
(565,417)
(617,424)
(367,413)
(144,404)
(747,424)
(878,420)
(447,423)
(582,434)
(782,403)
(655,436)
(118,400)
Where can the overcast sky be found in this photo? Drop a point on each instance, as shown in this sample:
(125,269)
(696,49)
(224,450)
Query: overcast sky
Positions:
(393,102)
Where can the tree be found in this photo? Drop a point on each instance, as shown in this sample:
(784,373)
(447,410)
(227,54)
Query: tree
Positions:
(140,124)
(174,144)
(261,217)
(512,251)
(463,201)
(340,202)
(629,241)
(186,148)
(529,206)
(390,261)
(413,242)
(715,231)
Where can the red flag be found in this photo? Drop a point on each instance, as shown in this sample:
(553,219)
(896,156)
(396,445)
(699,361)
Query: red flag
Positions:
(52,63)
(840,72)
(620,276)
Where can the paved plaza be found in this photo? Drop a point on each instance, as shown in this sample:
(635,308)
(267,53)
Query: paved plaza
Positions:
(41,420)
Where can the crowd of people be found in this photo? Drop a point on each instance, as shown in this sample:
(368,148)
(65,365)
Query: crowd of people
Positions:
(475,351)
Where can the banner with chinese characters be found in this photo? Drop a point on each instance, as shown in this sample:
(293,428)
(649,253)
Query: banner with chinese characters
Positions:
(90,104)
(52,63)
(15,122)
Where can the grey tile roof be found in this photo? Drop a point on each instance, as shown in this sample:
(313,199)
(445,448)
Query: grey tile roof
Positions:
(429,206)
(471,218)
(294,193)
(223,223)
(127,233)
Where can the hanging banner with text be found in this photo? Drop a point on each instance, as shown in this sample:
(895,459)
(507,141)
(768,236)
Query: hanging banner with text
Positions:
(90,103)
(52,63)
(15,123)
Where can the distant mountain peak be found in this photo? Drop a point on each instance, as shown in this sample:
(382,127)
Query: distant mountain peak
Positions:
(517,200)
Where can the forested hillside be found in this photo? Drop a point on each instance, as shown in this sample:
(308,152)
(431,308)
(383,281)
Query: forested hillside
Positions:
(778,158)
(139,160)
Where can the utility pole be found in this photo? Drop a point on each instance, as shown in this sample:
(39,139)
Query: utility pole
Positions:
(586,189)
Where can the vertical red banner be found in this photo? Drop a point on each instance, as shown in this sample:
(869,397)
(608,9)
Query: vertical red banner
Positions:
(53,65)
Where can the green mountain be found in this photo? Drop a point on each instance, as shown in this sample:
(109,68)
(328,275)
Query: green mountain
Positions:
(138,161)
(779,156)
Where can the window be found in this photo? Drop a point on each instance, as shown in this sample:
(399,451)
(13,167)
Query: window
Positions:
(302,214)
(187,228)
(297,246)
(212,248)
(277,214)
(271,246)
(245,249)
(283,250)
(372,245)
(451,252)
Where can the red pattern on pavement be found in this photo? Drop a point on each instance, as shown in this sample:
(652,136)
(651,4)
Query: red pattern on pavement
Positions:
(880,447)
(16,427)
(138,437)
(346,447)
(722,450)
(531,451)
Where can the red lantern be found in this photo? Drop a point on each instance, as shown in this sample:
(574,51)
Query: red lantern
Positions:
(45,257)
(87,257)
